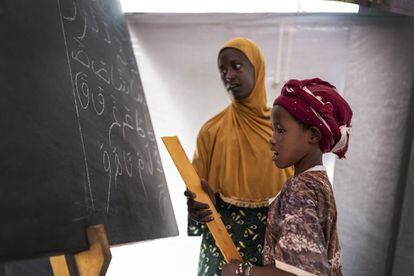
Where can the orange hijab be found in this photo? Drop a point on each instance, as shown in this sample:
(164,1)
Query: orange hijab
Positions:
(233,152)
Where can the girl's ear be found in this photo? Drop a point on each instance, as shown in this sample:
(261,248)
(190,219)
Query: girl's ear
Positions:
(315,135)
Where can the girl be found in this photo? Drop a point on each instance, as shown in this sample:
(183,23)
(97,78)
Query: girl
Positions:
(309,118)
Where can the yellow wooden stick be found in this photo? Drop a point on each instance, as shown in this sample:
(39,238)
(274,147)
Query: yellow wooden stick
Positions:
(192,181)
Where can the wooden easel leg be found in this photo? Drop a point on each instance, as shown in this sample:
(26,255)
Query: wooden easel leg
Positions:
(59,265)
(96,260)
(93,262)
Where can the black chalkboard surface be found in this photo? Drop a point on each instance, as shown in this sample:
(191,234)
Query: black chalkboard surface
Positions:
(77,146)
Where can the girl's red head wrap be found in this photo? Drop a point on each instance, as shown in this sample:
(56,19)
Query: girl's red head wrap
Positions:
(315,102)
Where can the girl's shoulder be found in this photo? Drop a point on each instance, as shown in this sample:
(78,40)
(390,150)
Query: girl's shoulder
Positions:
(314,178)
(311,183)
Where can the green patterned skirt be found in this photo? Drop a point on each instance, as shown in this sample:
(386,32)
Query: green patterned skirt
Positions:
(246,227)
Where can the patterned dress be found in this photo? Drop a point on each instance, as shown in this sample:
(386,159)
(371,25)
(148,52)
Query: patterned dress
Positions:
(301,236)
(247,228)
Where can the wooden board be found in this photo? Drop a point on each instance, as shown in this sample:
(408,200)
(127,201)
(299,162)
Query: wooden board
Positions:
(192,181)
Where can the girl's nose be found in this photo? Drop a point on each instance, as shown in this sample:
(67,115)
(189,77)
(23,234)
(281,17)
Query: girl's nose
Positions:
(271,141)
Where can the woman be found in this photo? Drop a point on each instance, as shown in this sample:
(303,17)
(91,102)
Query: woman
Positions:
(232,154)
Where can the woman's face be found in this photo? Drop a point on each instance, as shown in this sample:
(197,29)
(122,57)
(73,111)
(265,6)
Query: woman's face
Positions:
(237,73)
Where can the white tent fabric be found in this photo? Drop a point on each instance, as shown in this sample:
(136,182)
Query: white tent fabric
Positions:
(371,61)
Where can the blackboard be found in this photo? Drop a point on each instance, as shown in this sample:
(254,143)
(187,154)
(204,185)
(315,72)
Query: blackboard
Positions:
(77,145)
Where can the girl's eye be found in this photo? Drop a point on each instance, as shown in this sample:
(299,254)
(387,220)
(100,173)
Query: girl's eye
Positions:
(280,130)
(223,72)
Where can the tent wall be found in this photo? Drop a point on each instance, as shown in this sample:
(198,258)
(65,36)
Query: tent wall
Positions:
(369,59)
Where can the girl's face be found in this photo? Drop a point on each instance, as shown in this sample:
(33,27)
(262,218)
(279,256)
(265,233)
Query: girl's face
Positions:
(237,73)
(290,139)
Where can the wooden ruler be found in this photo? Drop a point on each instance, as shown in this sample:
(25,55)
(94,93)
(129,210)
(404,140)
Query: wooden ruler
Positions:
(192,181)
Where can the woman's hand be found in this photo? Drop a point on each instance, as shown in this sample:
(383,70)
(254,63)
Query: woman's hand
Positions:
(199,211)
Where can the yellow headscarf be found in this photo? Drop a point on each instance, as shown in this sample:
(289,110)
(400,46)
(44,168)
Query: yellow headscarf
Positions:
(233,152)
